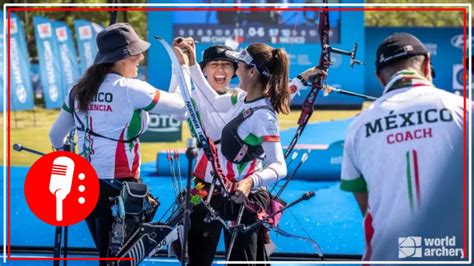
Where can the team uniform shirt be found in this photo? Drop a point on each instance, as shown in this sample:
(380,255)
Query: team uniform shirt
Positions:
(260,127)
(402,150)
(213,122)
(120,113)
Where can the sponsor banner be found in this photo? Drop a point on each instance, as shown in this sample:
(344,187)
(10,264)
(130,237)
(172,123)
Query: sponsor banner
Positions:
(21,91)
(67,54)
(50,67)
(162,128)
(16,27)
(86,32)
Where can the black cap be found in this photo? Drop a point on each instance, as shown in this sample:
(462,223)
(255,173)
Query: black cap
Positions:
(216,52)
(118,42)
(396,47)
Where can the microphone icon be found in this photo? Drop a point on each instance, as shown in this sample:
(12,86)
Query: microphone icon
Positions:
(60,182)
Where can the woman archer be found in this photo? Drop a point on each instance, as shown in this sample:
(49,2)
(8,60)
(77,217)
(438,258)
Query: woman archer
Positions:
(251,152)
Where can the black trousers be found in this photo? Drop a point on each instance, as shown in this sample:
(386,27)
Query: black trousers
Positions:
(100,220)
(204,237)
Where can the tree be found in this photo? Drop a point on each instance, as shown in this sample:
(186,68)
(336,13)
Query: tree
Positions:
(414,18)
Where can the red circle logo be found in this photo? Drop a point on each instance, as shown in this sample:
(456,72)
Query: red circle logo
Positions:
(61,188)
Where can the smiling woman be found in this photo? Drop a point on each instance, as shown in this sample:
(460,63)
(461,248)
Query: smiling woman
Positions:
(218,68)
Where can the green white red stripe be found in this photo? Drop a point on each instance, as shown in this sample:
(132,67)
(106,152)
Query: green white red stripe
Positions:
(413,179)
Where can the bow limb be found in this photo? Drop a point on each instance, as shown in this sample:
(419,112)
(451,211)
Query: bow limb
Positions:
(324,62)
(313,243)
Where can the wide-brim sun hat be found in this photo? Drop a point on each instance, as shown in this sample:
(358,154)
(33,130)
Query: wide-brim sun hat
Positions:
(118,42)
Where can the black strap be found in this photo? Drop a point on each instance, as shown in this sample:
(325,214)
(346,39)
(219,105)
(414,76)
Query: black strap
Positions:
(248,112)
(87,130)
(234,148)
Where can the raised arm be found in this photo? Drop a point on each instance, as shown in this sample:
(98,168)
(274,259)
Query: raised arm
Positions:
(186,53)
(143,95)
(221,103)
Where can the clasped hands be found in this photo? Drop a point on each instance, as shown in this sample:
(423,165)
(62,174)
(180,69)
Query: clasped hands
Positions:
(185,50)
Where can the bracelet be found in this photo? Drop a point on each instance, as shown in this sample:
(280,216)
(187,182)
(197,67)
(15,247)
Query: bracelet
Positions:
(303,81)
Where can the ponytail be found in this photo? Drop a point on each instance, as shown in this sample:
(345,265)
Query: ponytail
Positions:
(277,88)
(273,69)
(88,85)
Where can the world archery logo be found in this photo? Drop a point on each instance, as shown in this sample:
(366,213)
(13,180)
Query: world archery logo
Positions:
(423,247)
(409,247)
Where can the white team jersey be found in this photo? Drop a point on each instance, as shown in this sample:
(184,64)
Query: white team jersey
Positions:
(401,150)
(117,112)
(251,132)
(266,129)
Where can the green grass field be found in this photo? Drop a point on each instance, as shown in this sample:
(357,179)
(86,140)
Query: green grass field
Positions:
(31,130)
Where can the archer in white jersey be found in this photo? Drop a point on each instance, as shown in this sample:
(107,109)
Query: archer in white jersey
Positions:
(115,117)
(108,107)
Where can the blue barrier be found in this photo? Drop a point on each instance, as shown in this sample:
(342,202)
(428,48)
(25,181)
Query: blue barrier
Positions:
(334,220)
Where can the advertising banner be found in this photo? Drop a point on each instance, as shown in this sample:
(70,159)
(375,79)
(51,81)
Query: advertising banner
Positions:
(162,128)
(67,54)
(50,68)
(21,91)
(86,32)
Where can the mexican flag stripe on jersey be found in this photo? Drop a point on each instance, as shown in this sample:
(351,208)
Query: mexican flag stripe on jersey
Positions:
(413,179)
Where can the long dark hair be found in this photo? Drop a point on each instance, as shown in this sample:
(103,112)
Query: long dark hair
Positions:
(88,85)
(276,85)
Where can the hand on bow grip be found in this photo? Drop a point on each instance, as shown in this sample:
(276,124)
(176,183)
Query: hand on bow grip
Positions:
(311,74)
(242,190)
